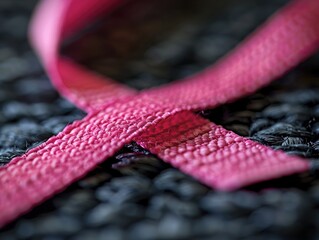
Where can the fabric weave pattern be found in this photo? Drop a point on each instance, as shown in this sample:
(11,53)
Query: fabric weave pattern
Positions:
(106,129)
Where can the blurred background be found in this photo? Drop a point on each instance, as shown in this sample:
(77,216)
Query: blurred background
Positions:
(135,195)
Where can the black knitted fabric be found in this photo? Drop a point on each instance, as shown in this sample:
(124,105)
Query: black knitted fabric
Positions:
(135,195)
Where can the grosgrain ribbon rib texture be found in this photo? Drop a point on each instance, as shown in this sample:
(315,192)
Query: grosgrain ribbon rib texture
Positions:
(158,119)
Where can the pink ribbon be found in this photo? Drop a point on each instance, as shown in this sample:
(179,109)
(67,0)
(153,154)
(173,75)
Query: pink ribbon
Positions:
(160,119)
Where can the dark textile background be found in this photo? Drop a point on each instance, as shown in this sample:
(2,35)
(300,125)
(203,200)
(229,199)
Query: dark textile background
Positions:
(135,195)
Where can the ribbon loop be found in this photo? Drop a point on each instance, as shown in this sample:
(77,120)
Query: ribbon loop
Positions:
(159,119)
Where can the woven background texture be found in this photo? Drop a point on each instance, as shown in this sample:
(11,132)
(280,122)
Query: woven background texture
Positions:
(135,195)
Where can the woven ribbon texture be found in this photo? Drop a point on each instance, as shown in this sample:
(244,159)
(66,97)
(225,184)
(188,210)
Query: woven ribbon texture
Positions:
(162,119)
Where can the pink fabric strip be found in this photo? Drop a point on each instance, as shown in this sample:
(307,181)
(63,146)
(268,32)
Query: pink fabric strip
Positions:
(158,119)
(213,155)
(287,38)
